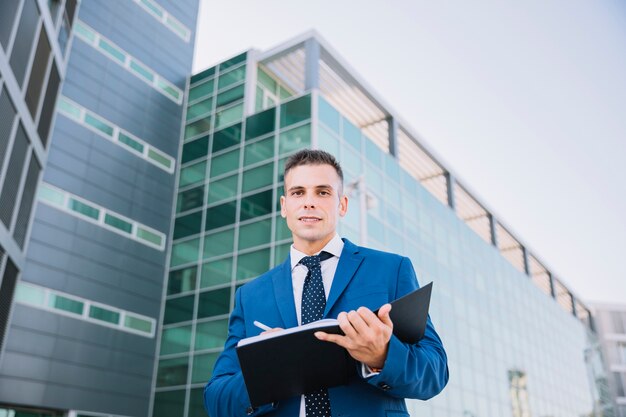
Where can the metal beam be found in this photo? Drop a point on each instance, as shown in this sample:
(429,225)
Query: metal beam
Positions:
(450,181)
(392,125)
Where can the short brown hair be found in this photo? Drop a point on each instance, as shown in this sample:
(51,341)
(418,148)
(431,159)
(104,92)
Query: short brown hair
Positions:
(313,157)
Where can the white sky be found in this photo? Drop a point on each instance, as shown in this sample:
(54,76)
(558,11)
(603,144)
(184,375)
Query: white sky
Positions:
(524,101)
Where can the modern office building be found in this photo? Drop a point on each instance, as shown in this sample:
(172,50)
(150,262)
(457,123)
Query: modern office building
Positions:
(157,196)
(516,336)
(81,337)
(33,49)
(610,322)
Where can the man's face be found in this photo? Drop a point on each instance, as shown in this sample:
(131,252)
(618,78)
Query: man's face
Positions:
(312,205)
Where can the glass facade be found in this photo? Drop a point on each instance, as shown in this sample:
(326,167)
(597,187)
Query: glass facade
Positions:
(513,351)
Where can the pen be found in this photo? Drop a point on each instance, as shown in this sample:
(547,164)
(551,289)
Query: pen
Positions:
(261,325)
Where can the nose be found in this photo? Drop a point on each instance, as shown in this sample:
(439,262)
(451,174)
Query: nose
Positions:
(309,202)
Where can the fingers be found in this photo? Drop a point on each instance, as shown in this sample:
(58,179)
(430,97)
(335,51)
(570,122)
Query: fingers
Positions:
(383,315)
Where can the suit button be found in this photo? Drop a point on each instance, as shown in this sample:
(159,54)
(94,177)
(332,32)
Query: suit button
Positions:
(250,410)
(384,386)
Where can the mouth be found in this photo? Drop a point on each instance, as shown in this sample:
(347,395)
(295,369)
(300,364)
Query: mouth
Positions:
(309,219)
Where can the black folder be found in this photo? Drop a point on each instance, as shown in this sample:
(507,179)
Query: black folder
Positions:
(292,362)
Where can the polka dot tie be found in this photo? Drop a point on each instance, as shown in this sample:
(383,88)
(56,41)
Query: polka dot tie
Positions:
(317,404)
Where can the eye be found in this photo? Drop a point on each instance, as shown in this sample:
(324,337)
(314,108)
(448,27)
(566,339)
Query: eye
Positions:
(324,192)
(297,193)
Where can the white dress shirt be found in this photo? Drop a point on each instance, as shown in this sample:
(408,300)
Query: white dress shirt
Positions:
(298,275)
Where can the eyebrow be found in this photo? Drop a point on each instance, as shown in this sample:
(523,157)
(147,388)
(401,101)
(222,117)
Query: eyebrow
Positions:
(300,187)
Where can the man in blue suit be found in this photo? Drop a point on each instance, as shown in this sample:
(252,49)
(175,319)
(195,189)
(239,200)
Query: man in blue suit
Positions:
(356,281)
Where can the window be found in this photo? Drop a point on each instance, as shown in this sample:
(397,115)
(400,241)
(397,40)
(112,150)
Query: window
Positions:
(219,243)
(20,53)
(141,70)
(294,139)
(223,189)
(13,177)
(253,264)
(201,108)
(47,109)
(224,163)
(118,223)
(104,314)
(259,151)
(178,309)
(328,115)
(193,173)
(169,403)
(112,50)
(233,61)
(228,116)
(255,234)
(198,127)
(84,209)
(188,225)
(38,73)
(229,96)
(60,302)
(201,90)
(221,215)
(190,199)
(99,124)
(260,124)
(140,324)
(175,340)
(258,177)
(8,10)
(216,272)
(185,252)
(197,149)
(26,204)
(7,116)
(182,280)
(256,205)
(231,77)
(214,303)
(295,111)
(203,366)
(130,142)
(225,138)
(172,372)
(211,334)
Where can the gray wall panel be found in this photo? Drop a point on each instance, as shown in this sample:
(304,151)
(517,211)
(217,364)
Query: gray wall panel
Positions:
(58,358)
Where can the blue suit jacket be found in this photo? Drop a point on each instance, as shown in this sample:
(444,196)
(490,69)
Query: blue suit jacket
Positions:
(364,277)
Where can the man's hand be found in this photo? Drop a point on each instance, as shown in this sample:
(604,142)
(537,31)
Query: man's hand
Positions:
(366,335)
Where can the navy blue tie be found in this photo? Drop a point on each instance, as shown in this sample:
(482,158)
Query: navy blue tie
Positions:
(317,404)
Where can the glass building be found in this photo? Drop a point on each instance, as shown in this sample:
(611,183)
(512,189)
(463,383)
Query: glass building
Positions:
(81,297)
(610,322)
(516,337)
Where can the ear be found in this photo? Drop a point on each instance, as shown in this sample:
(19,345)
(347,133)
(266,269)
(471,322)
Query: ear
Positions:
(283,212)
(343,205)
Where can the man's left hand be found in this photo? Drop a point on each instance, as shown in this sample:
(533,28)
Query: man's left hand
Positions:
(366,335)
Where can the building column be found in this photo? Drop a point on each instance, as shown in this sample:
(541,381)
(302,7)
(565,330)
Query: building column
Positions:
(492,230)
(392,126)
(312,64)
(450,181)
(526,261)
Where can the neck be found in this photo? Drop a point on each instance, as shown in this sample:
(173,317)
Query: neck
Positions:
(311,248)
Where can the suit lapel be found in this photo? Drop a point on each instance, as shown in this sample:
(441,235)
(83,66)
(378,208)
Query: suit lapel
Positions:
(283,292)
(349,262)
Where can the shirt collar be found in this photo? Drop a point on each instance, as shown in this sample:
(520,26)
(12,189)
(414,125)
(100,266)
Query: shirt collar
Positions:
(334,247)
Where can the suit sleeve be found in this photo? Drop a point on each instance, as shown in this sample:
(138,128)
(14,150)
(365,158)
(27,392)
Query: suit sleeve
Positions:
(413,371)
(225,394)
